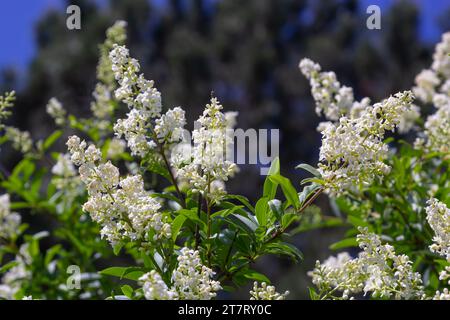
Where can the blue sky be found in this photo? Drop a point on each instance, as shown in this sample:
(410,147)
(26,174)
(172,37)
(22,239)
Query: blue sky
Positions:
(18,17)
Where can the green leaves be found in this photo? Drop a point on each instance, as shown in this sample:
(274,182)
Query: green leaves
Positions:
(346,243)
(283,249)
(309,168)
(127,291)
(254,275)
(288,189)
(177,223)
(130,273)
(51,139)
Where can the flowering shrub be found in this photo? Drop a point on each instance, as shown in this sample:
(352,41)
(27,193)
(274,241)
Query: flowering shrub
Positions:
(142,187)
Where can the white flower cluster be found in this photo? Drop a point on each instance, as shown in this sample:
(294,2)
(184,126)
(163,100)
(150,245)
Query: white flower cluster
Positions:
(205,166)
(9,221)
(438,216)
(426,83)
(140,95)
(433,86)
(21,140)
(352,150)
(265,292)
(115,148)
(56,111)
(12,280)
(116,34)
(377,269)
(335,101)
(6,102)
(121,206)
(441,61)
(191,280)
(65,175)
(103,105)
(155,288)
(170,126)
(444,295)
(332,99)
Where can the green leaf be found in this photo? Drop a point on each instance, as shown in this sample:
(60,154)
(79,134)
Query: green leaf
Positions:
(131,273)
(313,294)
(274,167)
(242,200)
(254,275)
(287,219)
(284,248)
(309,168)
(8,266)
(358,222)
(177,223)
(192,215)
(346,243)
(270,187)
(226,212)
(247,221)
(156,167)
(127,290)
(51,253)
(261,210)
(276,208)
(51,139)
(288,189)
(307,192)
(114,271)
(117,247)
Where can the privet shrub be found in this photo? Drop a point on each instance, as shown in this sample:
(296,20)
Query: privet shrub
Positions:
(191,239)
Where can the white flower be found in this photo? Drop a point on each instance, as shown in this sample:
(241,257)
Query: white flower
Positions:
(135,129)
(56,111)
(155,288)
(141,97)
(121,206)
(408,119)
(352,151)
(436,136)
(191,280)
(265,292)
(9,221)
(208,167)
(170,126)
(21,140)
(6,102)
(102,106)
(426,83)
(444,295)
(12,280)
(377,270)
(434,86)
(115,148)
(332,99)
(441,58)
(65,175)
(438,216)
(64,167)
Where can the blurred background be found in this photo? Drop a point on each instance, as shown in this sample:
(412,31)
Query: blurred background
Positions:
(246,52)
